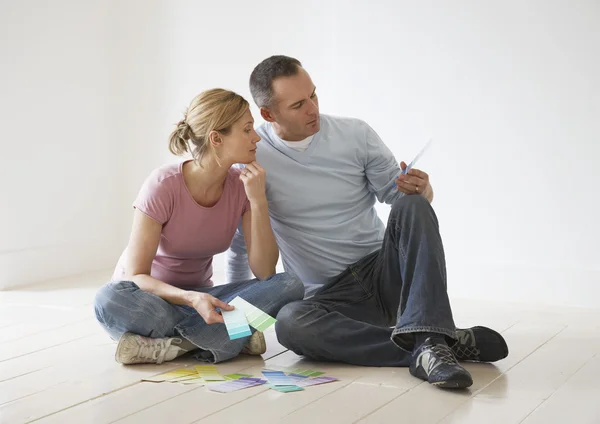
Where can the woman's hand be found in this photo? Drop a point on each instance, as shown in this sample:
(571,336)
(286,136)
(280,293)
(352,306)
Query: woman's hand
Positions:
(254,178)
(206,304)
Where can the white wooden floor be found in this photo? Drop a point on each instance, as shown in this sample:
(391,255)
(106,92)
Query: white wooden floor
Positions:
(57,366)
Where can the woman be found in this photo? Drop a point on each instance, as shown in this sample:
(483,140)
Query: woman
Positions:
(162,303)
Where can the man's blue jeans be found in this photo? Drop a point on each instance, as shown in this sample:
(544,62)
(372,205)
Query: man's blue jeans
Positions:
(368,315)
(122,306)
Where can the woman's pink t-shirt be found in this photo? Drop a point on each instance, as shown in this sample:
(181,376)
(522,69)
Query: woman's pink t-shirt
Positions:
(191,234)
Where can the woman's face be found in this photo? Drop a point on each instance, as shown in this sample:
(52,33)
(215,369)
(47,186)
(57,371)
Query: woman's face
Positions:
(239,145)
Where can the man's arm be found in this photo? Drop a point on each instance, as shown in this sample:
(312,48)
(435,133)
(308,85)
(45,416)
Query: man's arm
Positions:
(382,170)
(236,259)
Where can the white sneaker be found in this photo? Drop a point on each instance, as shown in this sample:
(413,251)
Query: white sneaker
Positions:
(135,349)
(256,345)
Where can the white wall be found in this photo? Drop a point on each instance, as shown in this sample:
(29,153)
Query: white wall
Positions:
(510,91)
(59,162)
(497,84)
(175,50)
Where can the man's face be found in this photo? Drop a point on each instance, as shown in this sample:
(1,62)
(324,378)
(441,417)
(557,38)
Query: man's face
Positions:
(295,108)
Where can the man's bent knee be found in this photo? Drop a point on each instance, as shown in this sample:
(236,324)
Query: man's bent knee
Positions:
(291,328)
(410,201)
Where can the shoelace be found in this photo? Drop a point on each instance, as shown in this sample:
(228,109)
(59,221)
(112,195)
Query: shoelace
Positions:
(155,350)
(444,354)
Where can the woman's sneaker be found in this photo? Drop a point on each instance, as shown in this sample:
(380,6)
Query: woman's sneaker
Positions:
(435,363)
(256,345)
(135,349)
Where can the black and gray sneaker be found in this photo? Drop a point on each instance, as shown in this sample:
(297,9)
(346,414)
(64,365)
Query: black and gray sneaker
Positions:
(479,344)
(435,363)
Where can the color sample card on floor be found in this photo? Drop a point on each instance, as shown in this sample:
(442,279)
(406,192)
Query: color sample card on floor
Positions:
(184,378)
(236,323)
(278,378)
(233,385)
(286,389)
(171,375)
(236,376)
(199,381)
(295,378)
(256,318)
(304,373)
(209,373)
(314,381)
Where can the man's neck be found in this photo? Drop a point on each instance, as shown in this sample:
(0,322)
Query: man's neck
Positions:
(285,136)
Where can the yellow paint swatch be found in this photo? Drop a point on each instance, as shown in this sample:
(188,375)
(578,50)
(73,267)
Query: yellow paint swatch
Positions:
(167,376)
(209,373)
(194,380)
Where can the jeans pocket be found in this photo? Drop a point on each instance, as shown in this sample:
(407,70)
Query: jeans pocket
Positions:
(344,288)
(364,271)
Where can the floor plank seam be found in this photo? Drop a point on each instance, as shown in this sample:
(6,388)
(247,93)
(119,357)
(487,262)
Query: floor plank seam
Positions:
(228,406)
(82,402)
(504,392)
(22,397)
(510,326)
(131,385)
(323,397)
(558,388)
(188,391)
(382,406)
(27,373)
(475,393)
(44,348)
(242,400)
(49,329)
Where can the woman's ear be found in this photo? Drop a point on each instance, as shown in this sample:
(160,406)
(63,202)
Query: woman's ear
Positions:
(215,138)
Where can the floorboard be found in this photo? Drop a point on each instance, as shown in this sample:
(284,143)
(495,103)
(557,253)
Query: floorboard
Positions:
(61,369)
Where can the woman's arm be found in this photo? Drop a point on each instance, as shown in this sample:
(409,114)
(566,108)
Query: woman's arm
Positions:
(263,251)
(262,248)
(143,244)
(141,250)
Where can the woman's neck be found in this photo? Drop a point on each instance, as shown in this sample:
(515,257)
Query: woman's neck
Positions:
(205,180)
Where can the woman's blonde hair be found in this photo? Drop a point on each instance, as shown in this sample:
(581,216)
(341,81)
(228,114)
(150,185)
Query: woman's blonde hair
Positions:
(211,110)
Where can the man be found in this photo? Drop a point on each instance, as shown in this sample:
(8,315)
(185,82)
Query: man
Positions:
(376,296)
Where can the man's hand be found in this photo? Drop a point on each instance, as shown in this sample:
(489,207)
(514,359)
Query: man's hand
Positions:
(205,304)
(413,182)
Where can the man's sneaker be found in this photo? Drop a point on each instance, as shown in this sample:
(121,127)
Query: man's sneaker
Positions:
(134,349)
(256,345)
(480,344)
(435,363)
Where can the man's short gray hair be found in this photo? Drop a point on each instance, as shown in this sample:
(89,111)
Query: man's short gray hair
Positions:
(263,75)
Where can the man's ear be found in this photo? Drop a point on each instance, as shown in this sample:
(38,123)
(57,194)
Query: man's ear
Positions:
(215,138)
(266,114)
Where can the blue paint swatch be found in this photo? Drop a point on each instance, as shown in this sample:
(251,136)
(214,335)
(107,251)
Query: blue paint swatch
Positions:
(236,324)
